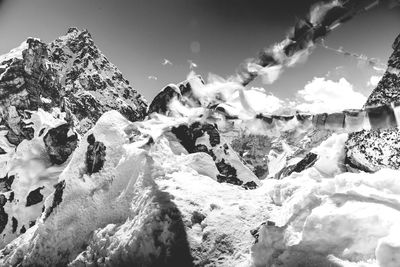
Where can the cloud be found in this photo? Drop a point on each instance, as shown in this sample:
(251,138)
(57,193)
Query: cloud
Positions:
(254,101)
(321,95)
(262,102)
(374,80)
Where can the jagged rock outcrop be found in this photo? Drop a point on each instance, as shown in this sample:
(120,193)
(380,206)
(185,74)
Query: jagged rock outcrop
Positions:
(161,101)
(60,142)
(182,92)
(370,150)
(95,155)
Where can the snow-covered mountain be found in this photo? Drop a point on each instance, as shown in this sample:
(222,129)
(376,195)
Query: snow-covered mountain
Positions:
(92,177)
(50,94)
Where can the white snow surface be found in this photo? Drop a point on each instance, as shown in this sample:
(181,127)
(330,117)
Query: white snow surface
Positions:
(157,202)
(31,167)
(14,53)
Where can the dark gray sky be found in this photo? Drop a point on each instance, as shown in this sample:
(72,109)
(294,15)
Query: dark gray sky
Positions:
(136,35)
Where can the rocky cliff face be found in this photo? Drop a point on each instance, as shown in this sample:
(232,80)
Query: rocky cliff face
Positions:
(375,149)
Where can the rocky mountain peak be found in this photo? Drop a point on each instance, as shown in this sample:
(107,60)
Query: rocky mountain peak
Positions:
(87,74)
(388,89)
(70,73)
(374,149)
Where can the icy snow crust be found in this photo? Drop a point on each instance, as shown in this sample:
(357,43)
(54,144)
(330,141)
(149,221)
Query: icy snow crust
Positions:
(153,204)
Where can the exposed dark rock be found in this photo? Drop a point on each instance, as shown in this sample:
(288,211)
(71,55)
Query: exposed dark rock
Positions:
(14,224)
(353,165)
(3,219)
(228,173)
(197,217)
(160,103)
(6,182)
(3,200)
(57,198)
(22,230)
(307,162)
(250,185)
(34,197)
(11,198)
(95,155)
(2,151)
(212,131)
(203,148)
(189,135)
(59,145)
